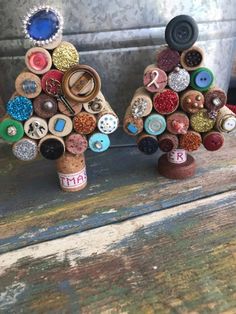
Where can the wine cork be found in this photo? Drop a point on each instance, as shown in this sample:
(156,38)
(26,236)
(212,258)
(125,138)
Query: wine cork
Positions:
(25,149)
(107,120)
(64,56)
(28,85)
(96,105)
(45,106)
(167,59)
(202,79)
(191,101)
(131,125)
(53,44)
(177,156)
(192,58)
(226,120)
(141,104)
(76,144)
(84,123)
(76,108)
(72,172)
(147,143)
(20,108)
(166,102)
(200,121)
(155,124)
(215,98)
(38,60)
(36,128)
(51,147)
(167,142)
(154,79)
(99,142)
(11,130)
(178,79)
(60,125)
(213,140)
(190,141)
(177,123)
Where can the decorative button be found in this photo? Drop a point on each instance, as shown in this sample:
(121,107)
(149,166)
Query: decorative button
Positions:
(51,147)
(45,106)
(38,60)
(51,80)
(60,125)
(213,140)
(65,56)
(215,98)
(181,32)
(168,142)
(229,124)
(25,149)
(147,144)
(76,143)
(166,102)
(179,79)
(108,123)
(202,79)
(99,142)
(155,124)
(20,108)
(131,125)
(42,25)
(167,59)
(192,58)
(192,101)
(96,105)
(154,79)
(177,123)
(11,130)
(81,83)
(200,122)
(84,123)
(190,141)
(141,104)
(36,128)
(28,85)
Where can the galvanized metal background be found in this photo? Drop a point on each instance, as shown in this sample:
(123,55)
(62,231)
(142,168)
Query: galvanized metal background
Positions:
(120,38)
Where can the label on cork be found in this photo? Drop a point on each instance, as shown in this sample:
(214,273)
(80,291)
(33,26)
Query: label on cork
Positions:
(177,156)
(73,180)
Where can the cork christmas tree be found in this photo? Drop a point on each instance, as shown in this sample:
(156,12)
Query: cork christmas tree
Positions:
(58,109)
(179,107)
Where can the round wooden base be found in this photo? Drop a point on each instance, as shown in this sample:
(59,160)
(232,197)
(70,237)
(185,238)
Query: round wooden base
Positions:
(176,171)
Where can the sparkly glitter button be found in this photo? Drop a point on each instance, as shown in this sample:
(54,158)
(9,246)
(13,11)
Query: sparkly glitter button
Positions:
(20,108)
(38,60)
(200,122)
(166,102)
(65,56)
(167,59)
(179,79)
(11,130)
(99,142)
(155,124)
(25,149)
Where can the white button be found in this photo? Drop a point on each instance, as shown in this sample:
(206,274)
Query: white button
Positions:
(229,124)
(108,123)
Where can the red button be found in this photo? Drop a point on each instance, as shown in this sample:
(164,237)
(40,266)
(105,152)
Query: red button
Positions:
(51,82)
(38,61)
(213,141)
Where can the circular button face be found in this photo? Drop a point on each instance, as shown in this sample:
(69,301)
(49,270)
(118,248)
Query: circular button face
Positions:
(76,143)
(167,59)
(20,108)
(25,149)
(108,123)
(215,98)
(99,142)
(38,60)
(28,85)
(45,106)
(51,147)
(65,56)
(60,125)
(181,32)
(192,101)
(213,141)
(11,130)
(84,123)
(229,124)
(155,124)
(200,121)
(177,123)
(166,102)
(192,58)
(202,79)
(81,83)
(36,128)
(147,144)
(179,79)
(51,82)
(154,79)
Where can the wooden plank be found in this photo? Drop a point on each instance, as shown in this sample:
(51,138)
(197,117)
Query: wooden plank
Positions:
(181,260)
(123,183)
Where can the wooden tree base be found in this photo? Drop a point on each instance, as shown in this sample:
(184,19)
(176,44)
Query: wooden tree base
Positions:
(176,171)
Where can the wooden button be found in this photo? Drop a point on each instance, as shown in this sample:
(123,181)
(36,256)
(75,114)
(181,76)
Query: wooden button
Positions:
(38,60)
(36,128)
(76,143)
(84,123)
(192,58)
(60,125)
(51,147)
(81,83)
(96,105)
(28,85)
(177,123)
(154,79)
(45,106)
(192,101)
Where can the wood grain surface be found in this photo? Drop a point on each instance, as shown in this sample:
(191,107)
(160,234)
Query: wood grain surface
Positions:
(181,260)
(123,183)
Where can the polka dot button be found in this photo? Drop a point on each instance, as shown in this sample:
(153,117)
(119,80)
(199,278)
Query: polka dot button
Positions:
(99,142)
(155,124)
(108,123)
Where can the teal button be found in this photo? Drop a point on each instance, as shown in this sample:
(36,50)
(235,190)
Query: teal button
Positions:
(99,142)
(155,124)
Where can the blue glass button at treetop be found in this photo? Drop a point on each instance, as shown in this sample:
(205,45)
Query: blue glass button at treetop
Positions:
(43,25)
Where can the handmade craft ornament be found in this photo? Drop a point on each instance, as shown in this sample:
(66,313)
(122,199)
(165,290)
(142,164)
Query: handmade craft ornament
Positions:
(20,108)
(141,104)
(226,120)
(107,120)
(167,59)
(42,25)
(192,58)
(147,143)
(200,121)
(99,142)
(190,141)
(25,149)
(131,125)
(51,147)
(36,128)
(167,142)
(166,102)
(177,123)
(65,56)
(76,143)
(45,106)
(154,79)
(215,98)
(213,140)
(72,172)
(202,79)
(11,130)
(28,85)
(179,79)
(60,125)
(96,105)
(155,124)
(38,60)
(84,123)
(192,101)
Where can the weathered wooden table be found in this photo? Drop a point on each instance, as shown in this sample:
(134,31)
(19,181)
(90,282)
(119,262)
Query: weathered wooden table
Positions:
(132,242)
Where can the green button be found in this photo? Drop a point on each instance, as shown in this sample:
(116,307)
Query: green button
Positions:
(11,130)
